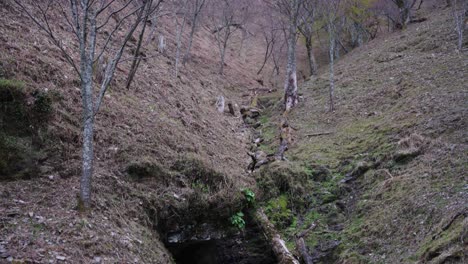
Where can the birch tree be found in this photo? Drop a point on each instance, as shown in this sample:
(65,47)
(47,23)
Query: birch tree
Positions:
(290,8)
(87,19)
(459,11)
(330,9)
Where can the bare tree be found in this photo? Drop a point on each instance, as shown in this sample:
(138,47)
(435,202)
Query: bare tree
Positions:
(196,10)
(270,37)
(180,17)
(306,28)
(330,9)
(151,7)
(271,30)
(404,8)
(459,13)
(290,8)
(87,18)
(277,57)
(227,20)
(363,23)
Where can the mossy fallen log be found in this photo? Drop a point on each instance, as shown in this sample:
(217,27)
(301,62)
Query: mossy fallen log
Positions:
(279,248)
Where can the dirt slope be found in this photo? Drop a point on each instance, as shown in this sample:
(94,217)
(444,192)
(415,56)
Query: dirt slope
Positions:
(163,152)
(386,171)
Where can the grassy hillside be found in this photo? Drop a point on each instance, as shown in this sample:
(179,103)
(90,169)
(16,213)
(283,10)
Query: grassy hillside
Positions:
(384,176)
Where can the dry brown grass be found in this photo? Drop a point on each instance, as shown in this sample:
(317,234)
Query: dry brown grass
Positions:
(161,119)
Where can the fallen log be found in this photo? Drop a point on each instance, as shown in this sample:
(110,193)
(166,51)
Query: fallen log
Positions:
(279,247)
(306,258)
(301,246)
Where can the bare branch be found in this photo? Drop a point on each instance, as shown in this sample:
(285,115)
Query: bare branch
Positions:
(46,28)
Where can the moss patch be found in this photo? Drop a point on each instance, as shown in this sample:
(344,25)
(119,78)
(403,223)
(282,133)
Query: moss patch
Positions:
(22,129)
(199,173)
(435,246)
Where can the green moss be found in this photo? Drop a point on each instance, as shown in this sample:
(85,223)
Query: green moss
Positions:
(286,178)
(42,105)
(6,84)
(263,119)
(278,212)
(22,129)
(433,246)
(17,158)
(144,170)
(269,101)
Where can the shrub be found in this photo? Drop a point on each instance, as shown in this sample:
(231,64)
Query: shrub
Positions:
(249,196)
(237,220)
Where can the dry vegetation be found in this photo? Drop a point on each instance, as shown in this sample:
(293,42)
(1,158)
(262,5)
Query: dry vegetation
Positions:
(158,122)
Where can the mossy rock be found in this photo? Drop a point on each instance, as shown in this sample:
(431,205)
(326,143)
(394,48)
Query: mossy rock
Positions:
(289,178)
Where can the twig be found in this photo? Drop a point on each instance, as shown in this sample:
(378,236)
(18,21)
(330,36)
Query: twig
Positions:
(319,134)
(305,232)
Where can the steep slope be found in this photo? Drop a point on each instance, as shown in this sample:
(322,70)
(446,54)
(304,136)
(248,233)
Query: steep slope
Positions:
(165,157)
(383,177)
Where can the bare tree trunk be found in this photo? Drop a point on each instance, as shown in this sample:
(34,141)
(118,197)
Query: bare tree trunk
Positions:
(222,45)
(223,55)
(459,17)
(87,54)
(136,56)
(311,57)
(269,49)
(290,85)
(332,57)
(180,31)
(404,7)
(199,4)
(88,149)
(242,44)
(189,46)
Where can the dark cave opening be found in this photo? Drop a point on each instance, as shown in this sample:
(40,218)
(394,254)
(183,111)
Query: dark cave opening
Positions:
(247,247)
